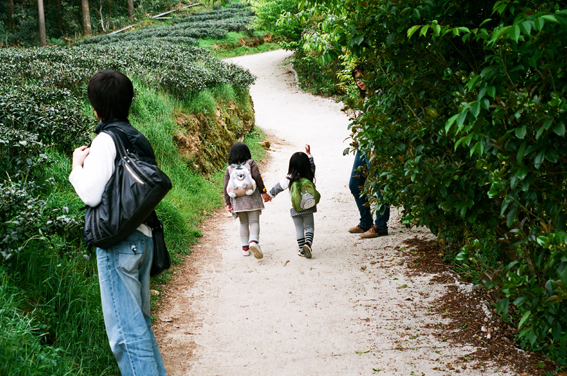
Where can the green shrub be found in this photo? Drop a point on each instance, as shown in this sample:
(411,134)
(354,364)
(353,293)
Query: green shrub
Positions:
(466,124)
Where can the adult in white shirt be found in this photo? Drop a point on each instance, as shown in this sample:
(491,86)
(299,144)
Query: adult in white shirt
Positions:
(124,268)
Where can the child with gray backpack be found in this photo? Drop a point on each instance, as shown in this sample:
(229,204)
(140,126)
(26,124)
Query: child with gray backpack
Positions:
(304,197)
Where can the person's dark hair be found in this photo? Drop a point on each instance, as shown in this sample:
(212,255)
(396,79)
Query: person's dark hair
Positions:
(299,167)
(110,93)
(239,153)
(360,68)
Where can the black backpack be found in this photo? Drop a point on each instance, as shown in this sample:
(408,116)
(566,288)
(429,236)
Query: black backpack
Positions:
(130,196)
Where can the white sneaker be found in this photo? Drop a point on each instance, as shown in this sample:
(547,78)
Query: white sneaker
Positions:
(256,250)
(245,252)
(307,251)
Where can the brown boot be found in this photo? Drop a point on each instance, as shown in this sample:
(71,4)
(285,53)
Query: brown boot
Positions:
(374,232)
(357,230)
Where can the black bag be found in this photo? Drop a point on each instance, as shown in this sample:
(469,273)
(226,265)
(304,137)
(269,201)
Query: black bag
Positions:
(161,261)
(130,196)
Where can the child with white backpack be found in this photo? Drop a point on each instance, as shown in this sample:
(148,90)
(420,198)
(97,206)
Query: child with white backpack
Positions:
(243,192)
(304,197)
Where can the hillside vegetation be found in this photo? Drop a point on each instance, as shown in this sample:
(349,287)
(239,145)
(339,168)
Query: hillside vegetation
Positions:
(190,105)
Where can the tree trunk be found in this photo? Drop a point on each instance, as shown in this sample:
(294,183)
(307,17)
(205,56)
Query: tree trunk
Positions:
(130,8)
(41,16)
(86,18)
(59,17)
(11,11)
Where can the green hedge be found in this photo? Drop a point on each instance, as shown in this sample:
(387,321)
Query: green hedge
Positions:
(466,130)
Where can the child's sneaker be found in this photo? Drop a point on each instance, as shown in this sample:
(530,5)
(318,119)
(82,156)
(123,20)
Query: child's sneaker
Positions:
(306,251)
(256,250)
(300,253)
(245,251)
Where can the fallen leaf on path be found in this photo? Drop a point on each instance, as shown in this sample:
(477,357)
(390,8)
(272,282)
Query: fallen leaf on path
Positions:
(363,267)
(154,292)
(363,351)
(166,318)
(402,287)
(286,263)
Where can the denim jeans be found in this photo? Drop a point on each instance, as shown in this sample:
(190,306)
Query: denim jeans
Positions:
(356,184)
(124,276)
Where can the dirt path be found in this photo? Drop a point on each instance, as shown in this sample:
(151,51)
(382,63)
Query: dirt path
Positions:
(351,310)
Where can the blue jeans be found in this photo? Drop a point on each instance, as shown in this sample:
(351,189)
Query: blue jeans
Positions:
(356,184)
(124,276)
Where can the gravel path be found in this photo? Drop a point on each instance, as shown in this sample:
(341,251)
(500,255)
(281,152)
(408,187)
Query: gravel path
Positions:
(350,310)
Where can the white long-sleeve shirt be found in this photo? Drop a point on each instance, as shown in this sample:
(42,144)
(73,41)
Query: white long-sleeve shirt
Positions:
(90,180)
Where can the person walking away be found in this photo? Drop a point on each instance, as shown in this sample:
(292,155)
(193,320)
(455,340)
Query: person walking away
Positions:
(245,203)
(123,268)
(301,166)
(366,228)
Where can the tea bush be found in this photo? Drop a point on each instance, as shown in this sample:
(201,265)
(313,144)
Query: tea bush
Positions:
(186,29)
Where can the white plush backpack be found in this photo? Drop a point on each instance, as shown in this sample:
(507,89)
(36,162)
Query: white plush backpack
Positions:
(241,182)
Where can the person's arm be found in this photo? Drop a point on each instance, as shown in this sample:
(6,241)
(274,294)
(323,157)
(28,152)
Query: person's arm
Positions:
(226,180)
(255,172)
(91,172)
(311,161)
(280,186)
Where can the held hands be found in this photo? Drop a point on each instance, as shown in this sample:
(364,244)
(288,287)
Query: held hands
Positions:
(79,156)
(266,197)
(229,208)
(307,149)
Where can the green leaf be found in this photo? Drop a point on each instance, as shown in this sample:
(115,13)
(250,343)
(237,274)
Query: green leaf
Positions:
(424,29)
(511,216)
(515,33)
(539,22)
(357,39)
(521,151)
(521,132)
(526,27)
(481,93)
(491,90)
(450,122)
(461,119)
(563,275)
(550,18)
(475,109)
(552,155)
(363,351)
(524,318)
(412,30)
(559,129)
(539,159)
(502,306)
(498,33)
(437,29)
(495,189)
(522,172)
(485,103)
(472,81)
